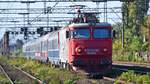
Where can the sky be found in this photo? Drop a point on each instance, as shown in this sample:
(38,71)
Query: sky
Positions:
(116,17)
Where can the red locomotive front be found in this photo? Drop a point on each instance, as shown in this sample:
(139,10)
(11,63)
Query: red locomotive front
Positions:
(90,47)
(85,44)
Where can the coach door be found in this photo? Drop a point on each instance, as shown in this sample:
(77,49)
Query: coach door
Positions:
(63,46)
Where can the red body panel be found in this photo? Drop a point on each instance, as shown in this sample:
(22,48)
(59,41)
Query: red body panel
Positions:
(95,54)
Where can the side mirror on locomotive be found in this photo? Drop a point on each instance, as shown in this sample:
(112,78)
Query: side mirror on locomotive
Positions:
(67,34)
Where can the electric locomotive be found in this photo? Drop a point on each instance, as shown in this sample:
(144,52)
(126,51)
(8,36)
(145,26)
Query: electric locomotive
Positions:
(83,45)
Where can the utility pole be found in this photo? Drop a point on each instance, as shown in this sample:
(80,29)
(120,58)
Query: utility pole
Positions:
(105,11)
(5,42)
(25,29)
(138,17)
(46,12)
(123,29)
(97,4)
(124,10)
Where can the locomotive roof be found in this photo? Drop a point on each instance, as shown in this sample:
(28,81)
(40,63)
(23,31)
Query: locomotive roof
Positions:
(103,24)
(87,24)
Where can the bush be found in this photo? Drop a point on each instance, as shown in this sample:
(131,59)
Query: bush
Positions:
(146,46)
(131,50)
(136,44)
(131,77)
(117,45)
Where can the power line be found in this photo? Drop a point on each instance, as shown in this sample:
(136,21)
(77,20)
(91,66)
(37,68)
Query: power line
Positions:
(12,1)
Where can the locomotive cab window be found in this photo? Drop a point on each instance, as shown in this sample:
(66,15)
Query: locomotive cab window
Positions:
(102,33)
(80,33)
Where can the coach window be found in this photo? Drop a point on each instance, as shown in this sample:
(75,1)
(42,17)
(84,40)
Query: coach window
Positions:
(44,45)
(102,33)
(81,33)
(50,44)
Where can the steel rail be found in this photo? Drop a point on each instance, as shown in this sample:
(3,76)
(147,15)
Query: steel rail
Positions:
(136,71)
(139,69)
(30,76)
(113,80)
(6,75)
(147,65)
(25,73)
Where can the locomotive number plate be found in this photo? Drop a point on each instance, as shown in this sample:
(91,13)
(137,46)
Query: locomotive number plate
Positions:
(91,53)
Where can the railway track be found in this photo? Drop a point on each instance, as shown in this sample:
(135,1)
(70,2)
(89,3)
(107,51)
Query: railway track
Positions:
(113,80)
(18,76)
(103,80)
(147,65)
(98,79)
(137,68)
(6,75)
(94,81)
(118,68)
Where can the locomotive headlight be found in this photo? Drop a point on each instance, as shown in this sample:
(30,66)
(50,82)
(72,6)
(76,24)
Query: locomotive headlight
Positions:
(79,50)
(105,49)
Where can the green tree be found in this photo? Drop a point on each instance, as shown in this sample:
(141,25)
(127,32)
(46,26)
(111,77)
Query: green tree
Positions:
(133,13)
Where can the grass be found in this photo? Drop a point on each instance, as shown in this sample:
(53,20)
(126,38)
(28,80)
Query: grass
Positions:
(44,72)
(131,77)
(129,56)
(3,79)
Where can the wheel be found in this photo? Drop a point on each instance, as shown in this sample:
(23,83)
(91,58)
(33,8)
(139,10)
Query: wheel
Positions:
(67,66)
(47,60)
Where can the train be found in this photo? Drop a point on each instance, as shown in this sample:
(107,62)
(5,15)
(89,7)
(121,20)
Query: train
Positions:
(84,45)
